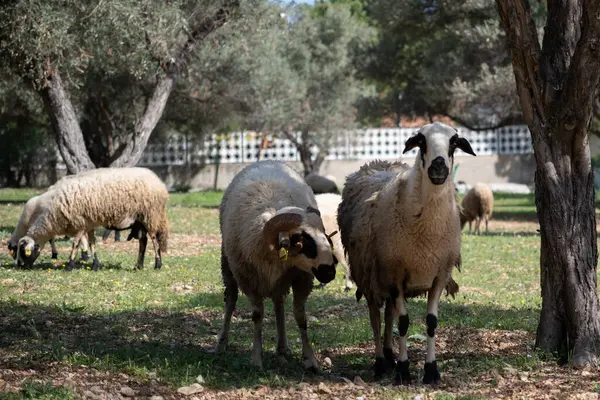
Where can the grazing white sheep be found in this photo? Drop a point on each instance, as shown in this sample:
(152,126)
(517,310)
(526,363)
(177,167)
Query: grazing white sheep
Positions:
(321,184)
(328,205)
(116,198)
(400,227)
(273,239)
(477,204)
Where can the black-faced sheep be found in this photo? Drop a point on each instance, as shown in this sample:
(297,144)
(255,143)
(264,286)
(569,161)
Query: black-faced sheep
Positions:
(273,239)
(477,204)
(328,205)
(401,229)
(321,184)
(116,198)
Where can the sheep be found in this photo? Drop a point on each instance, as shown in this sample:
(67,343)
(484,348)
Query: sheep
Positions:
(401,230)
(328,204)
(273,238)
(116,198)
(320,184)
(477,204)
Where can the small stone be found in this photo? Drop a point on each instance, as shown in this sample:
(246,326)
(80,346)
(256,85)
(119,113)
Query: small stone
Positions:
(324,389)
(127,391)
(88,394)
(97,390)
(327,362)
(418,397)
(304,385)
(361,398)
(359,381)
(151,375)
(200,379)
(192,389)
(312,319)
(157,397)
(347,381)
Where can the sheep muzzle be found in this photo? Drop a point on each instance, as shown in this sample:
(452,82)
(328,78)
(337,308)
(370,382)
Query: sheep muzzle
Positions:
(324,273)
(438,171)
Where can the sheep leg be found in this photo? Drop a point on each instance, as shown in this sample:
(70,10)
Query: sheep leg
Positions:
(402,367)
(258,311)
(380,363)
(477,223)
(282,342)
(388,337)
(157,258)
(92,246)
(231,296)
(432,374)
(301,290)
(54,250)
(83,245)
(469,227)
(348,278)
(76,240)
(142,251)
(486,225)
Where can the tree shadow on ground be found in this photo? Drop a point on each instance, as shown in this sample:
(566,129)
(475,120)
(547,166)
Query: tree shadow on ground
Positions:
(179,345)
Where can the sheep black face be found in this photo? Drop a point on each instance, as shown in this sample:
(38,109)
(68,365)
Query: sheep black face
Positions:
(27,252)
(437,143)
(299,243)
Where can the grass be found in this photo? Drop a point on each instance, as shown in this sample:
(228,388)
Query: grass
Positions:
(159,327)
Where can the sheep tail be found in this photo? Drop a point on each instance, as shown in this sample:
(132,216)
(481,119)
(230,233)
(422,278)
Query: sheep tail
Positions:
(358,295)
(161,238)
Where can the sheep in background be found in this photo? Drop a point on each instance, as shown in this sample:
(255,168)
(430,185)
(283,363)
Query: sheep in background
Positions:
(477,204)
(272,239)
(328,205)
(401,229)
(116,198)
(320,184)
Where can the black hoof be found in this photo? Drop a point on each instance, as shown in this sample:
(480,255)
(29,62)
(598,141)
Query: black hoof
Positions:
(432,375)
(70,265)
(380,367)
(389,357)
(139,266)
(402,373)
(158,264)
(84,255)
(54,255)
(95,265)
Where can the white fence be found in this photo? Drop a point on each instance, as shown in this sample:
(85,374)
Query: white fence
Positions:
(385,143)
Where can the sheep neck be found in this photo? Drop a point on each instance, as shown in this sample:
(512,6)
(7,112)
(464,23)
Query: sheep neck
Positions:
(427,200)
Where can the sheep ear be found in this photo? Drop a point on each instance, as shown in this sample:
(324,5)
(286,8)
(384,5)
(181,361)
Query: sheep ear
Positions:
(417,140)
(276,229)
(458,142)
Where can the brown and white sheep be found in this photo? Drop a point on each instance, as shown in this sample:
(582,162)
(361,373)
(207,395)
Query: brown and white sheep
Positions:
(272,239)
(116,198)
(401,229)
(477,205)
(328,205)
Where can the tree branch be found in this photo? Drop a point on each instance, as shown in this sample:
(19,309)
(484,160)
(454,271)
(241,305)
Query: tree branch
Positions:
(520,28)
(510,120)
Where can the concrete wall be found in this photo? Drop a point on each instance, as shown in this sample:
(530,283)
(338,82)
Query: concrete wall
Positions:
(489,169)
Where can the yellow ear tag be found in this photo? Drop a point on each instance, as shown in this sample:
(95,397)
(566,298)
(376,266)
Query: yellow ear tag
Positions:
(27,252)
(12,253)
(283,254)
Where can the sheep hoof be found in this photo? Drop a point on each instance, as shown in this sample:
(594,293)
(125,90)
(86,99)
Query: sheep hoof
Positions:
(402,373)
(139,266)
(432,375)
(320,286)
(54,255)
(95,264)
(389,356)
(70,265)
(221,345)
(311,365)
(84,255)
(380,367)
(158,264)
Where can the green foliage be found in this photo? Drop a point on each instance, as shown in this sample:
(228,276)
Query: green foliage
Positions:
(45,391)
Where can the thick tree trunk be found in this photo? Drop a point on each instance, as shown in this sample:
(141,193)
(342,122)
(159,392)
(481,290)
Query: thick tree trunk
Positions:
(570,318)
(69,137)
(131,152)
(556,85)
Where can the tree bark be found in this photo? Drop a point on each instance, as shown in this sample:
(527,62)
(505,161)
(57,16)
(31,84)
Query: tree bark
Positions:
(556,85)
(69,137)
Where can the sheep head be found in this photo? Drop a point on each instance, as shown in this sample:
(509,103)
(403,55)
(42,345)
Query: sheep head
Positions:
(27,251)
(299,239)
(437,143)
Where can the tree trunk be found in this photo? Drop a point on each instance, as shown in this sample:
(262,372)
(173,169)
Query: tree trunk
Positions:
(568,257)
(69,137)
(132,151)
